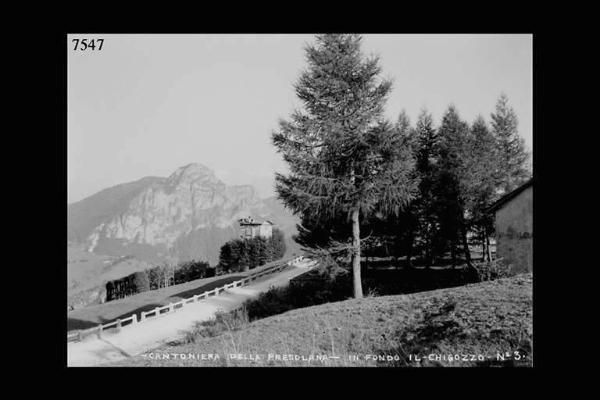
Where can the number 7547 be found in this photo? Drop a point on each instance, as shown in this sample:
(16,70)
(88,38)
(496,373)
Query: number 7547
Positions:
(85,44)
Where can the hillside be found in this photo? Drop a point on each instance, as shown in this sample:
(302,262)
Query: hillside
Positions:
(188,215)
(472,321)
(85,215)
(87,274)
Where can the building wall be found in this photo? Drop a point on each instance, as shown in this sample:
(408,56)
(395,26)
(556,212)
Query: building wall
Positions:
(266,230)
(251,231)
(514,232)
(248,232)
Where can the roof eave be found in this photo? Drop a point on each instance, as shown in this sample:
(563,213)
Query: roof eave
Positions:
(509,196)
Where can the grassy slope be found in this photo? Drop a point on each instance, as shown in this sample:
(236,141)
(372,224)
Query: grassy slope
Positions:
(483,318)
(82,267)
(93,315)
(87,273)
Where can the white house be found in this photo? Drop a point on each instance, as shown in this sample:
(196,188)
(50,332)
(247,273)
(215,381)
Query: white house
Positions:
(251,228)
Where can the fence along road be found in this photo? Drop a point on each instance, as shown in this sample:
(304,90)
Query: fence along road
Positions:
(172,307)
(170,322)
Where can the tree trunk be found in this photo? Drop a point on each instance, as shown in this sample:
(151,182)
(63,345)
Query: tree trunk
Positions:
(453,253)
(358,294)
(489,250)
(483,249)
(427,252)
(410,250)
(466,247)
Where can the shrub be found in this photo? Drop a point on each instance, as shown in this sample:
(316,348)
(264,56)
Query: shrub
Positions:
(120,288)
(240,254)
(109,290)
(490,270)
(156,278)
(222,322)
(279,300)
(192,270)
(141,283)
(277,244)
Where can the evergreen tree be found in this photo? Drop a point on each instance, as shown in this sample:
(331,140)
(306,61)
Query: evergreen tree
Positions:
(426,158)
(154,277)
(141,283)
(277,246)
(406,131)
(482,183)
(451,170)
(257,251)
(512,167)
(343,157)
(399,230)
(318,233)
(110,291)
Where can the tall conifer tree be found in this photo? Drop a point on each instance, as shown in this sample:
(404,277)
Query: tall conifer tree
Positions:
(482,184)
(512,168)
(451,169)
(426,158)
(342,155)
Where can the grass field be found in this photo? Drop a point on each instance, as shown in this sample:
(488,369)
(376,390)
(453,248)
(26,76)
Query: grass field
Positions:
(463,326)
(93,315)
(87,272)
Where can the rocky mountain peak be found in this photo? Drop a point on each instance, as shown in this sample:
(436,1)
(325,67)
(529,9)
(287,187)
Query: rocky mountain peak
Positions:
(188,215)
(194,173)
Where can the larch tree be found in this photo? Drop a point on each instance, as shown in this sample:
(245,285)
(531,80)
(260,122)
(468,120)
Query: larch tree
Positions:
(451,172)
(426,155)
(513,157)
(482,184)
(343,156)
(404,224)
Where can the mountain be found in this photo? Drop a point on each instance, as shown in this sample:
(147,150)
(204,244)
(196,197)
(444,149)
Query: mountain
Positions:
(188,215)
(85,215)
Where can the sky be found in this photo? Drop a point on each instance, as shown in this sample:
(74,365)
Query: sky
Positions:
(145,105)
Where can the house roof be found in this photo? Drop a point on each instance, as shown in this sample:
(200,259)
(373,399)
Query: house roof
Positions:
(509,196)
(252,221)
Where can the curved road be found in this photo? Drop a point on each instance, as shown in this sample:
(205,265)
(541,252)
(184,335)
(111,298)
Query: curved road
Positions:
(139,338)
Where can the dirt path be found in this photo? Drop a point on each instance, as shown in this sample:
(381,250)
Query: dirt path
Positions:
(136,339)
